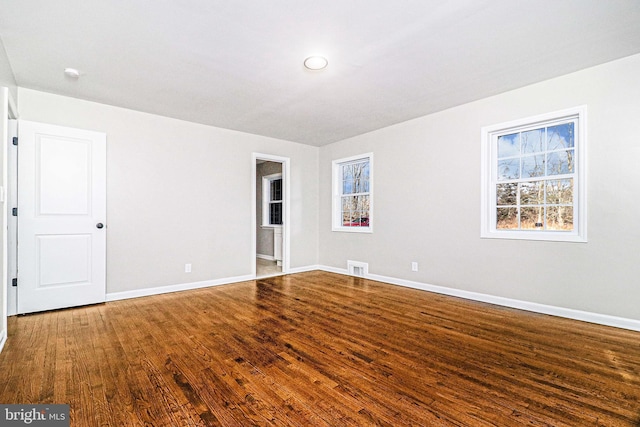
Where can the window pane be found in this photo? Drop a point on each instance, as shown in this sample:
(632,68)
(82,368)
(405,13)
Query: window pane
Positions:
(363,203)
(561,136)
(560,162)
(355,178)
(360,176)
(508,169)
(355,211)
(560,218)
(560,191)
(507,219)
(365,186)
(347,172)
(359,219)
(532,193)
(508,145)
(365,170)
(533,166)
(533,141)
(507,194)
(275,213)
(276,190)
(346,204)
(347,187)
(532,218)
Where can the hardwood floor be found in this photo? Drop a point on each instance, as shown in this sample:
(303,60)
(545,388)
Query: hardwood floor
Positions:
(319,349)
(266,268)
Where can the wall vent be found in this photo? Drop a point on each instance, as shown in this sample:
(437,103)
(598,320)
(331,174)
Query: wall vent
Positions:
(357,268)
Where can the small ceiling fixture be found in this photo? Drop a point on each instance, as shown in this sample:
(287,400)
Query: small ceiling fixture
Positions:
(316,62)
(72,72)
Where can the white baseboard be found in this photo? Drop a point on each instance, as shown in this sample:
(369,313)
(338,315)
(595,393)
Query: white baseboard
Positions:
(304,269)
(3,339)
(334,269)
(115,296)
(267,257)
(569,313)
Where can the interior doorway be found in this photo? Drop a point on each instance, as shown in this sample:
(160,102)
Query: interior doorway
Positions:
(270,215)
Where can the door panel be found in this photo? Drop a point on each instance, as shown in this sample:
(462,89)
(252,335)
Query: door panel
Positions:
(64,169)
(63,260)
(61,199)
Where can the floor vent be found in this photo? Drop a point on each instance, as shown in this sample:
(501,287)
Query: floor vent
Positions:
(357,268)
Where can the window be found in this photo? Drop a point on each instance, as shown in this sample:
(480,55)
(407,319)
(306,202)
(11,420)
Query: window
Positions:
(272,200)
(533,178)
(353,194)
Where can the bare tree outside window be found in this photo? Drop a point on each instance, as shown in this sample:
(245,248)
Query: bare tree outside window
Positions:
(352,204)
(355,194)
(534,189)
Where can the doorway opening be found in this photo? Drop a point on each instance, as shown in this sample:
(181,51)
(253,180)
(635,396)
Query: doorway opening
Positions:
(270,215)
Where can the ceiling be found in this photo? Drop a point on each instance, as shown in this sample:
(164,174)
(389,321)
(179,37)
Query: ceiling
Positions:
(239,64)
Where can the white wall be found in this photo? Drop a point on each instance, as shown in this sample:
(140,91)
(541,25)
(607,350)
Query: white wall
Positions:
(179,192)
(427,200)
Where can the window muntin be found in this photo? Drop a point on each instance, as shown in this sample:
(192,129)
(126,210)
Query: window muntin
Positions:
(352,182)
(534,178)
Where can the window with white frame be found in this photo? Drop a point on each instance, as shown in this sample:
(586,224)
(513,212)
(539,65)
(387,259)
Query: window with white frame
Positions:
(272,200)
(353,193)
(534,178)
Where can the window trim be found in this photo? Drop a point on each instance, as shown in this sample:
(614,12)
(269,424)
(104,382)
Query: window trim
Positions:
(489,172)
(266,200)
(336,192)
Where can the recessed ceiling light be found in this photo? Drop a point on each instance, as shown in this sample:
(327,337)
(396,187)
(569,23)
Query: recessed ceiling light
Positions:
(316,62)
(72,72)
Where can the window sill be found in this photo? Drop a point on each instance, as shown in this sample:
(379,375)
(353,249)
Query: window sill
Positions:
(353,229)
(548,236)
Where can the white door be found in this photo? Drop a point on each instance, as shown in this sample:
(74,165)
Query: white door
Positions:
(61,217)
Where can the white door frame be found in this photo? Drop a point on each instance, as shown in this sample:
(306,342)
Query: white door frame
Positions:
(11,197)
(8,111)
(286,227)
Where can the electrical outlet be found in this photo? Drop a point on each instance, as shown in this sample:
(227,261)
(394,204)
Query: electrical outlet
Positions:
(414,266)
(187,268)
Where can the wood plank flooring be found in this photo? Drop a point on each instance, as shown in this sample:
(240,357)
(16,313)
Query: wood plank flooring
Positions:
(319,349)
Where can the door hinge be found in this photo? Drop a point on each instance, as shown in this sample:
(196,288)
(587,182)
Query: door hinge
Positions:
(14,212)
(15,140)
(14,282)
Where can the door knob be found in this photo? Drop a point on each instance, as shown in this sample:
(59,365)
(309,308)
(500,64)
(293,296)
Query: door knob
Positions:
(99,225)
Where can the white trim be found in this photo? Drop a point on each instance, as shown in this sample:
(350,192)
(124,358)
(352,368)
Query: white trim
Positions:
(487,192)
(267,257)
(336,194)
(11,201)
(115,296)
(336,270)
(304,269)
(9,111)
(569,313)
(266,199)
(286,214)
(4,184)
(3,339)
